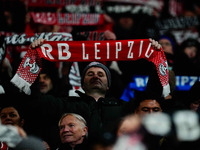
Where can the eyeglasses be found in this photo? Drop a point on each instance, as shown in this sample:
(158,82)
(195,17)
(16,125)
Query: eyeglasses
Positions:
(165,43)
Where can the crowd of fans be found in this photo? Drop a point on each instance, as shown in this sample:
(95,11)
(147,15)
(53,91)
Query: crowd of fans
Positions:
(97,117)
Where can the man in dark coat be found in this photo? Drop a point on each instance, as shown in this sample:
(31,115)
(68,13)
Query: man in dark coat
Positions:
(100,111)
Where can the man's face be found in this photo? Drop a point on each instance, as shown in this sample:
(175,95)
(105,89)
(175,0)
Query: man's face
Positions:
(148,106)
(195,105)
(126,22)
(191,51)
(129,125)
(45,83)
(72,131)
(10,116)
(95,78)
(167,46)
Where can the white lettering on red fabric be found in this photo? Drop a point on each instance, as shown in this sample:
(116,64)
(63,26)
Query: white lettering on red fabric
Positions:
(130,53)
(85,56)
(100,50)
(108,50)
(46,49)
(140,51)
(62,51)
(96,50)
(118,48)
(146,54)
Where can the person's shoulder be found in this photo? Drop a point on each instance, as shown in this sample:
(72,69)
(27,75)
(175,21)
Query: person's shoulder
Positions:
(115,100)
(71,98)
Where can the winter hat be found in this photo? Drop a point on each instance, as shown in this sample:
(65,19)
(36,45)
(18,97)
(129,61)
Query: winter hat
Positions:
(190,42)
(170,39)
(100,65)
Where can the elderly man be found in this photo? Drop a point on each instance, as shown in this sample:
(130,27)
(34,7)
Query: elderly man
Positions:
(73,132)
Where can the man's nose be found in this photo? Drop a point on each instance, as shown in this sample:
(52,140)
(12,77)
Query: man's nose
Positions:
(7,117)
(41,80)
(151,111)
(65,129)
(95,76)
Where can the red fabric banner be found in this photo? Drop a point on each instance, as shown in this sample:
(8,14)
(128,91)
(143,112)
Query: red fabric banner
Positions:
(80,51)
(3,146)
(74,19)
(118,50)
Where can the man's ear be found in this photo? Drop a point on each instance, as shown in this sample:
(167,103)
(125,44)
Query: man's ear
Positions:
(108,88)
(85,129)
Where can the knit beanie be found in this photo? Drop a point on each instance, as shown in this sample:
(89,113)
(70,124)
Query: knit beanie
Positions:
(190,42)
(170,39)
(100,65)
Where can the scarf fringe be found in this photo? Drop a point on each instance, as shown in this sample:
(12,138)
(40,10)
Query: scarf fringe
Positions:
(21,84)
(1,90)
(166,90)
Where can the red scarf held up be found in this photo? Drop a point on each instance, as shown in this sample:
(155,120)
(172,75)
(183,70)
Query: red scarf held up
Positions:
(82,51)
(72,19)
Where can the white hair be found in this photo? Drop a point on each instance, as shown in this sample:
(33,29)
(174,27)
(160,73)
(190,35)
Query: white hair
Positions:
(79,117)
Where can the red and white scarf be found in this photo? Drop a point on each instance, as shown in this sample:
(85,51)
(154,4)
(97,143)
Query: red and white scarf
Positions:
(82,51)
(72,19)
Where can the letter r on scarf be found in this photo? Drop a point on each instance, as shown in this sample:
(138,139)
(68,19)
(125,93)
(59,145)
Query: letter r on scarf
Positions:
(46,49)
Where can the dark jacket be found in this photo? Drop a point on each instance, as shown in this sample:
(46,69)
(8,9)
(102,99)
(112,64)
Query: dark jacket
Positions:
(101,116)
(82,146)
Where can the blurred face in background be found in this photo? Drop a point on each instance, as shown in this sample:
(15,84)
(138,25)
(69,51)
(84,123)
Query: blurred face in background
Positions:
(129,125)
(45,83)
(126,22)
(10,116)
(195,105)
(9,17)
(147,107)
(166,45)
(191,51)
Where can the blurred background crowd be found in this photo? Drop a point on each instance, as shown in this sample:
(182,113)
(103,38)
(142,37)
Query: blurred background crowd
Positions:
(175,24)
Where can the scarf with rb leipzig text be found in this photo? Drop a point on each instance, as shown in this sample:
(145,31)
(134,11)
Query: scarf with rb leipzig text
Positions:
(87,51)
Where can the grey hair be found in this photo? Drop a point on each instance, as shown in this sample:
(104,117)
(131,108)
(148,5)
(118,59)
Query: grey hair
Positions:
(79,117)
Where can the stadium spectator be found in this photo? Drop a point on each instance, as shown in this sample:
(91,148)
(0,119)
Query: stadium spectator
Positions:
(73,132)
(187,60)
(169,46)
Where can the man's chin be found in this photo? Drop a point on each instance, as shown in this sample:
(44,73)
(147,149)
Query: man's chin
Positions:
(67,139)
(96,87)
(43,91)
